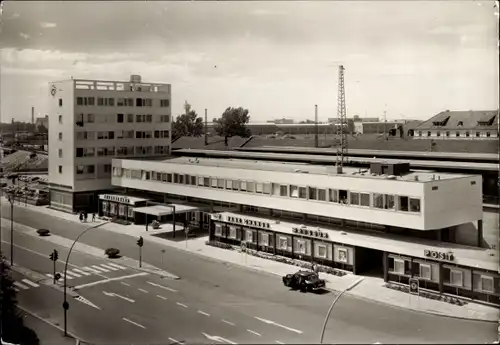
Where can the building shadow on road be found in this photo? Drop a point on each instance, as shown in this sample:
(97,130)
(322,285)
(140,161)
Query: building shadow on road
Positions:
(180,235)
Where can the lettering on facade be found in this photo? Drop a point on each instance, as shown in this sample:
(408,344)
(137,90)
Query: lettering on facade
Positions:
(307,232)
(216,216)
(248,222)
(116,198)
(439,255)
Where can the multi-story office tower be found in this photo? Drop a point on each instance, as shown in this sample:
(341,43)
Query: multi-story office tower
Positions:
(93,121)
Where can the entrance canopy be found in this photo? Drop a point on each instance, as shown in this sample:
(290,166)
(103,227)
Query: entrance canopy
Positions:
(163,210)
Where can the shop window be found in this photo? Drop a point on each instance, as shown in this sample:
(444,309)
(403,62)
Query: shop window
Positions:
(214,182)
(321,251)
(259,187)
(130,212)
(187,179)
(181,179)
(364,199)
(333,195)
(448,134)
(146,175)
(249,236)
(478,134)
(193,181)
(229,184)
(294,191)
(200,181)
(438,134)
(403,203)
(164,177)
(251,187)
(487,284)
(104,206)
(264,239)
(176,178)
(425,271)
(355,198)
(267,188)
(283,243)
(488,134)
(283,191)
(243,186)
(342,255)
(169,178)
(419,133)
(343,196)
(232,232)
(414,205)
(399,266)
(302,192)
(220,183)
(301,247)
(276,189)
(218,230)
(467,134)
(313,193)
(206,182)
(389,202)
(378,200)
(456,278)
(121,210)
(322,194)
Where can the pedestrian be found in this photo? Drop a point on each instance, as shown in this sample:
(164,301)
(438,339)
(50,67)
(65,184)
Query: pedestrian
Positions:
(315,268)
(93,216)
(81,217)
(86,215)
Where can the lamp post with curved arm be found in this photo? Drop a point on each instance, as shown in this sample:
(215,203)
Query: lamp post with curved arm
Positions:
(333,304)
(65,303)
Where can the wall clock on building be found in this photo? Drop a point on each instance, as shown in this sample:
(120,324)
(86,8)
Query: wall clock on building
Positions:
(53,90)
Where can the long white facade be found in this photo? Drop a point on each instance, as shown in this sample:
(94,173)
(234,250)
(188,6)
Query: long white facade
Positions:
(417,200)
(93,121)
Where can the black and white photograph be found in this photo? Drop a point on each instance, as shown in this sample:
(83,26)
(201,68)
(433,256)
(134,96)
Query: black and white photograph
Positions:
(249,172)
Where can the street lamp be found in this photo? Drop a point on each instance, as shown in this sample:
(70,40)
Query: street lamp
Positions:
(11,198)
(333,304)
(65,303)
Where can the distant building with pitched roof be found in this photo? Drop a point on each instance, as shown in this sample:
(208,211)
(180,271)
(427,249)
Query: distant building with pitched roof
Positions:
(461,125)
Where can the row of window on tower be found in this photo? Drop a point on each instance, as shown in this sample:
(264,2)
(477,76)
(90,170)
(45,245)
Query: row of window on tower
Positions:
(121,102)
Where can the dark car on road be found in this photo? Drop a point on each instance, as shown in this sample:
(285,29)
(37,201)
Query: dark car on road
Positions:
(304,281)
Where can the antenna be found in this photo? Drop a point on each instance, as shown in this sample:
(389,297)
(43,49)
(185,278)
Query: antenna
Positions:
(342,122)
(206,128)
(316,144)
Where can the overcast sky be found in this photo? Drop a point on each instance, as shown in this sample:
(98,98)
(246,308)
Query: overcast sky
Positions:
(278,59)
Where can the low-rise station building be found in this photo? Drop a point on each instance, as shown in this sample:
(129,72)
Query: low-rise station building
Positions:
(386,220)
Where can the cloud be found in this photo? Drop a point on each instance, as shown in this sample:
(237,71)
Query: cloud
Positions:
(47,25)
(23,35)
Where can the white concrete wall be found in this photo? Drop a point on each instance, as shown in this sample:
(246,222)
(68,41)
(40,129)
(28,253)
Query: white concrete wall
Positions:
(65,91)
(455,202)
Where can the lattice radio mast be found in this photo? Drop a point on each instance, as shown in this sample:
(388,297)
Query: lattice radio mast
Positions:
(342,123)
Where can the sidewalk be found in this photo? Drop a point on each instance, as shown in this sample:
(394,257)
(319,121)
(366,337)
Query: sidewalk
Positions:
(369,288)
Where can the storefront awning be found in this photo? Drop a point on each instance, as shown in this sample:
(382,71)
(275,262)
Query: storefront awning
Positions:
(164,210)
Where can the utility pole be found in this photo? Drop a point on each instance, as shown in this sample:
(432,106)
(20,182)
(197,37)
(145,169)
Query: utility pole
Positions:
(385,124)
(316,144)
(206,128)
(342,122)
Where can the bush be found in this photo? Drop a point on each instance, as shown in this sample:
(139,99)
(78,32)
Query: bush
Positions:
(43,232)
(112,252)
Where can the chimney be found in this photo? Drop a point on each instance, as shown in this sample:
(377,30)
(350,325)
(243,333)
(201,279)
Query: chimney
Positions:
(32,115)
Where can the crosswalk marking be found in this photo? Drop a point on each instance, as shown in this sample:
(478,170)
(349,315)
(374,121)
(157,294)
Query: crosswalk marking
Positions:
(29,282)
(21,286)
(73,274)
(109,267)
(99,268)
(16,290)
(81,271)
(90,269)
(67,277)
(117,266)
(50,276)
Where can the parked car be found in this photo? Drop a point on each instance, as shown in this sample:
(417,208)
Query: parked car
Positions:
(304,281)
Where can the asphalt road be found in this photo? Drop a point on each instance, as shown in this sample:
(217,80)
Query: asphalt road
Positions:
(231,293)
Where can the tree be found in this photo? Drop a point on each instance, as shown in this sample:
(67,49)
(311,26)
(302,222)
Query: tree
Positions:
(187,124)
(233,123)
(12,329)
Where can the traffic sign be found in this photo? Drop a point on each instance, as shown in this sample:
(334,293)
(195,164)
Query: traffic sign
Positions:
(186,230)
(414,286)
(243,245)
(57,276)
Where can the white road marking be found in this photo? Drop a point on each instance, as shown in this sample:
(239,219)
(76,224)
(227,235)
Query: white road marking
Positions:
(117,266)
(87,302)
(29,282)
(163,287)
(279,342)
(99,268)
(164,298)
(217,338)
(62,276)
(269,322)
(126,284)
(182,305)
(16,290)
(73,274)
(21,286)
(50,276)
(110,280)
(133,323)
(229,323)
(111,294)
(249,330)
(142,290)
(90,269)
(203,313)
(174,341)
(81,271)
(109,267)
